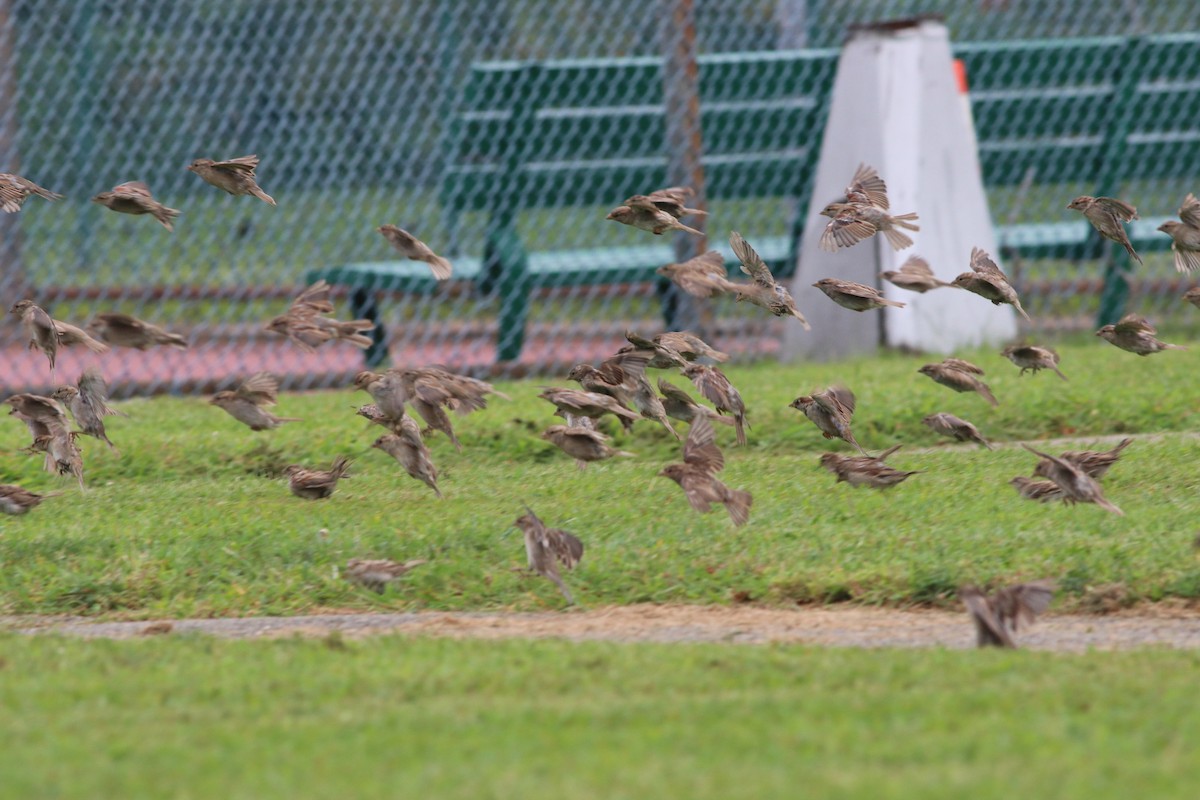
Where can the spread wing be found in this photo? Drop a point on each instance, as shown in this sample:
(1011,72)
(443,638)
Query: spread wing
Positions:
(133,189)
(261,388)
(867,187)
(980,609)
(1134,323)
(565,546)
(1032,599)
(700,450)
(838,400)
(962,366)
(673,392)
(712,384)
(985,267)
(917,267)
(752,263)
(242,164)
(313,300)
(845,230)
(1118,208)
(1189,212)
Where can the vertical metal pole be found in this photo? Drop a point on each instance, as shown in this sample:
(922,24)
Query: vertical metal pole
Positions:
(13,281)
(685,146)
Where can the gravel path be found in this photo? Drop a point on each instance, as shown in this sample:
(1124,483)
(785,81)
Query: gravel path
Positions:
(831,626)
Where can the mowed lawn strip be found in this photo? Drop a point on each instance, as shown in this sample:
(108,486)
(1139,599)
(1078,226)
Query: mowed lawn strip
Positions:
(392,716)
(194,518)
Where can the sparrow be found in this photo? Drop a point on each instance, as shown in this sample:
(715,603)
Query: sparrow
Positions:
(716,389)
(643,213)
(39,327)
(1032,357)
(1185,235)
(1106,215)
(1077,485)
(959,429)
(235,176)
(1193,296)
(866,188)
(122,330)
(1094,462)
(915,275)
(460,393)
(589,405)
(372,413)
(387,390)
(248,402)
(615,376)
(17,501)
(407,447)
(861,471)
(63,456)
(661,354)
(851,223)
(305,324)
(14,189)
(43,415)
(679,405)
(689,345)
(316,484)
(702,276)
(830,410)
(427,394)
(1041,491)
(581,444)
(998,617)
(546,548)
(670,200)
(988,281)
(854,296)
(959,375)
(88,404)
(134,198)
(1134,334)
(413,248)
(697,475)
(763,291)
(376,573)
(650,405)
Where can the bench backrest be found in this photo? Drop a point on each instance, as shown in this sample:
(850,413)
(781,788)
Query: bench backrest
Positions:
(581,132)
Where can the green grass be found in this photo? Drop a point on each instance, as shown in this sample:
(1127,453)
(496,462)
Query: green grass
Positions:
(191,520)
(397,717)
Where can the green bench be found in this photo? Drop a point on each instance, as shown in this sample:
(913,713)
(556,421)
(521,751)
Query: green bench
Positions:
(527,135)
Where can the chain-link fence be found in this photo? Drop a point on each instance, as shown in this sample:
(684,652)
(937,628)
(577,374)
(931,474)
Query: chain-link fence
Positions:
(501,133)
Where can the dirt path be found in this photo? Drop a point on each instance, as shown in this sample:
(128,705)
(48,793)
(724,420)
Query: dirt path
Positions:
(832,626)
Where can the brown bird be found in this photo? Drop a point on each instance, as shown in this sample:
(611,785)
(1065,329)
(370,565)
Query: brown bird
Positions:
(1193,296)
(582,444)
(671,200)
(1077,485)
(959,429)
(679,405)
(316,484)
(716,389)
(88,403)
(998,617)
(546,548)
(830,410)
(134,198)
(1134,334)
(697,475)
(590,405)
(39,327)
(1185,235)
(648,217)
(661,354)
(866,188)
(17,501)
(459,393)
(1106,215)
(386,389)
(305,324)
(854,296)
(248,402)
(861,471)
(122,330)
(14,189)
(851,223)
(63,456)
(376,573)
(372,413)
(413,248)
(615,376)
(407,447)
(988,281)
(689,345)
(959,375)
(1094,462)
(914,275)
(702,276)
(763,292)
(1032,357)
(650,405)
(1041,491)
(427,393)
(235,176)
(43,415)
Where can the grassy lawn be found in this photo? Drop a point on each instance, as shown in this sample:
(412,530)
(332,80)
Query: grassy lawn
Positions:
(190,520)
(194,717)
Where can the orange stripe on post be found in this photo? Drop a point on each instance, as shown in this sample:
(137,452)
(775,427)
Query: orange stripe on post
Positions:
(960,74)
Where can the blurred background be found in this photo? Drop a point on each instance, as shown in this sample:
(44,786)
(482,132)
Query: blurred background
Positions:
(501,133)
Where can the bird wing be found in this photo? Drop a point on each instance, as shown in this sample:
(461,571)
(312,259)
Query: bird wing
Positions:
(845,230)
(752,263)
(261,389)
(241,164)
(700,449)
(709,263)
(985,267)
(1189,212)
(857,290)
(123,321)
(917,267)
(1118,208)
(565,546)
(133,189)
(1032,599)
(711,383)
(673,392)
(838,400)
(641,202)
(313,300)
(980,609)
(867,187)
(1134,323)
(94,391)
(962,366)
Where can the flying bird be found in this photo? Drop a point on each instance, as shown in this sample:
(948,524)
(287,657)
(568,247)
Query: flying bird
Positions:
(1107,215)
(247,404)
(122,330)
(235,176)
(47,334)
(546,548)
(987,280)
(697,475)
(582,444)
(1185,235)
(1134,334)
(1033,358)
(645,213)
(413,248)
(679,405)
(134,198)
(1077,485)
(763,291)
(999,616)
(305,322)
(1041,491)
(716,389)
(854,296)
(407,447)
(961,376)
(316,484)
(376,573)
(959,429)
(1095,462)
(915,275)
(867,471)
(88,403)
(17,501)
(587,405)
(14,189)
(702,276)
(830,410)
